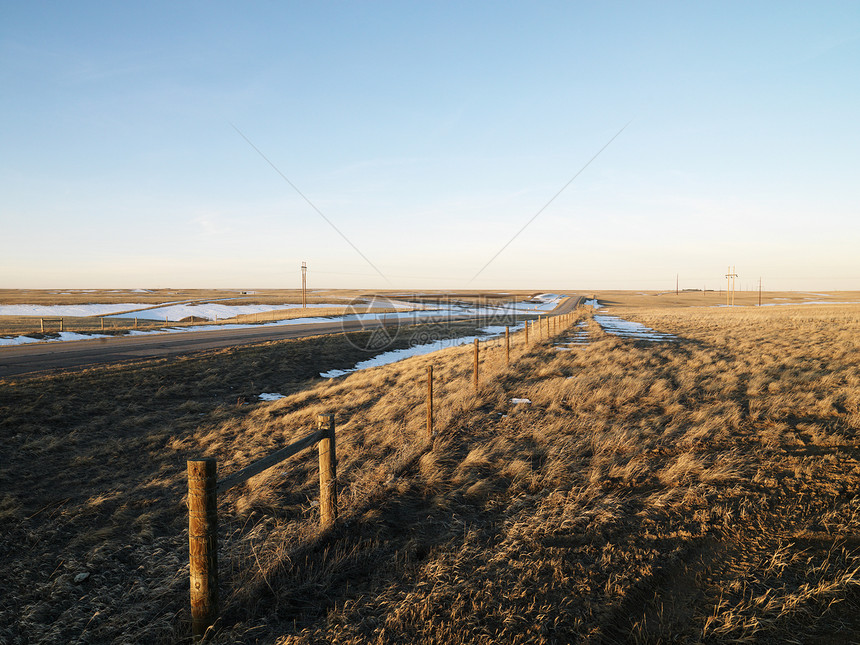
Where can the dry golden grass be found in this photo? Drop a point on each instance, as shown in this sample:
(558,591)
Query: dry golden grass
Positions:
(32,325)
(668,299)
(159,296)
(698,491)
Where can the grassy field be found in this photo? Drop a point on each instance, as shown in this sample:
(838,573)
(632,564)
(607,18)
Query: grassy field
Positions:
(33,326)
(159,296)
(666,299)
(235,296)
(353,302)
(698,491)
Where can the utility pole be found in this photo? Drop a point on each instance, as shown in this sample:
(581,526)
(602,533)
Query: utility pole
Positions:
(304,285)
(759,291)
(730,287)
(734,276)
(676,284)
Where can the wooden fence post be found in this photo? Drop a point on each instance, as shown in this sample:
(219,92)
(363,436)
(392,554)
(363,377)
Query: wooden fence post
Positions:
(103,322)
(430,402)
(61,324)
(476,365)
(42,325)
(328,471)
(203,544)
(527,333)
(508,344)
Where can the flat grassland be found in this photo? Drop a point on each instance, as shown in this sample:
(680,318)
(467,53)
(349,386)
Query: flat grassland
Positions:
(343,301)
(32,325)
(702,490)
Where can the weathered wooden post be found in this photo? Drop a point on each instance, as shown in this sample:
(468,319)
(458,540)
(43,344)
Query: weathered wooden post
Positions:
(508,344)
(430,402)
(61,324)
(328,471)
(527,333)
(203,544)
(135,322)
(103,322)
(476,365)
(42,325)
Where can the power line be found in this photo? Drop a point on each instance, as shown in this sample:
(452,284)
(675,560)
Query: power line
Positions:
(310,203)
(545,206)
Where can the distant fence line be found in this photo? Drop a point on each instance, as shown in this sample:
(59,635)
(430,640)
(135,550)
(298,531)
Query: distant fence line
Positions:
(204,487)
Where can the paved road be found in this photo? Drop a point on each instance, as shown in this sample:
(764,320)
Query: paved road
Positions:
(567,305)
(46,357)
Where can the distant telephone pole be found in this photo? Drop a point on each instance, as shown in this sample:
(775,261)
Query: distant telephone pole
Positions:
(759,291)
(304,285)
(730,287)
(676,284)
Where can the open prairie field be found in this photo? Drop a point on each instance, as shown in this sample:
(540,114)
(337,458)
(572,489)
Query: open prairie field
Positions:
(699,488)
(139,308)
(42,314)
(158,296)
(698,298)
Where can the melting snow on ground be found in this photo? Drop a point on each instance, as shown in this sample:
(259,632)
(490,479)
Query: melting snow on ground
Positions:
(271,396)
(214,311)
(627,329)
(386,358)
(577,340)
(62,336)
(177,311)
(51,311)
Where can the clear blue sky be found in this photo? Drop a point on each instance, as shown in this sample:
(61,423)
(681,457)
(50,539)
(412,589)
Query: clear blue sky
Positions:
(429,134)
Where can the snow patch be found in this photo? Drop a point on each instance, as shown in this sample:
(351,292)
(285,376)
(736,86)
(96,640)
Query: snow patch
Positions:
(271,396)
(62,337)
(213,311)
(395,355)
(59,311)
(627,329)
